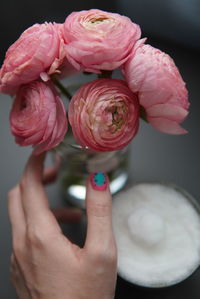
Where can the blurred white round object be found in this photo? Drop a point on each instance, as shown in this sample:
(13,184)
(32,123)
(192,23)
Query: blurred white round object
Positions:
(146,227)
(157,230)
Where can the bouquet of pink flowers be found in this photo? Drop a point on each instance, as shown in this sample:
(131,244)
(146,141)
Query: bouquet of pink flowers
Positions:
(104,113)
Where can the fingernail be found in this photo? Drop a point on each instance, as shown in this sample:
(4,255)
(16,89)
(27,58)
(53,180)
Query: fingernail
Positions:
(99,181)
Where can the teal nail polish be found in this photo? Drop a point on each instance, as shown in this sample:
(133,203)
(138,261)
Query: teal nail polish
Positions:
(99,181)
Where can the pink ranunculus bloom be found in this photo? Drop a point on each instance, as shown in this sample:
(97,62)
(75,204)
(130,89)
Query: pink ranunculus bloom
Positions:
(98,40)
(35,52)
(61,60)
(104,115)
(161,90)
(38,116)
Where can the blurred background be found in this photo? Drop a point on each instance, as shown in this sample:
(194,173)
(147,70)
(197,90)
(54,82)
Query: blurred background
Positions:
(175,20)
(174,27)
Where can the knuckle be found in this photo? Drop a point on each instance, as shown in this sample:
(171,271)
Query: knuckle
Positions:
(36,238)
(99,209)
(103,255)
(110,257)
(18,251)
(12,192)
(23,183)
(113,258)
(112,254)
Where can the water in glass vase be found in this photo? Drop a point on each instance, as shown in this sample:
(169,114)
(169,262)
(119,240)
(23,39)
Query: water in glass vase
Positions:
(76,164)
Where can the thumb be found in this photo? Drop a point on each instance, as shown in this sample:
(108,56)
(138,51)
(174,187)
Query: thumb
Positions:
(99,211)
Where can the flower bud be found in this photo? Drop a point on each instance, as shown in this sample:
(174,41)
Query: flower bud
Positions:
(38,117)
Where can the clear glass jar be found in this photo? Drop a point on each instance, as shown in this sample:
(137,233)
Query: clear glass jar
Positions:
(76,165)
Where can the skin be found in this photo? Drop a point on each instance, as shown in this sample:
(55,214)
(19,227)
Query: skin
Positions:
(44,263)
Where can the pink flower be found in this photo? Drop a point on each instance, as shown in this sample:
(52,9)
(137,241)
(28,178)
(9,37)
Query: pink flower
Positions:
(38,117)
(35,52)
(161,89)
(104,115)
(98,40)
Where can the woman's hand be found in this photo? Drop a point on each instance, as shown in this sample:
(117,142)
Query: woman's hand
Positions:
(44,263)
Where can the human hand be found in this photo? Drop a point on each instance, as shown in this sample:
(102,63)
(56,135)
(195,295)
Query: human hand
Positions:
(44,263)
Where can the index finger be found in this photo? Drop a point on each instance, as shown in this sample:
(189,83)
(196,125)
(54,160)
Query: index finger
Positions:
(34,198)
(39,218)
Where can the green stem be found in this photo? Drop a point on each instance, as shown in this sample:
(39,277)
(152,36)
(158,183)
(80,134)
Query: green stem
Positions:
(143,114)
(105,74)
(87,73)
(61,87)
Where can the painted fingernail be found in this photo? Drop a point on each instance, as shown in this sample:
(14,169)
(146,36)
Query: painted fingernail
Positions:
(99,181)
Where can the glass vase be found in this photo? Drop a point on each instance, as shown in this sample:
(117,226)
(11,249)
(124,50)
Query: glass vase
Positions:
(76,164)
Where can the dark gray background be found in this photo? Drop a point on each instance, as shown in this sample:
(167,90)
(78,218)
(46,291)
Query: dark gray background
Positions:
(174,27)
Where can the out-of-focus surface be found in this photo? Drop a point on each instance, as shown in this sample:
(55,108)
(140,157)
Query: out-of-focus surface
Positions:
(175,20)
(155,156)
(16,16)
